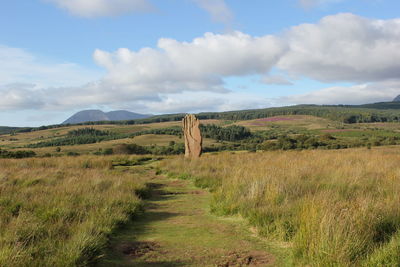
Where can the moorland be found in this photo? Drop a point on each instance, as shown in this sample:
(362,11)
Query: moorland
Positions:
(303,185)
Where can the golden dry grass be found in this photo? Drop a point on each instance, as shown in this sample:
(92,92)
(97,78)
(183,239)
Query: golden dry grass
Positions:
(300,121)
(20,140)
(143,140)
(336,208)
(59,211)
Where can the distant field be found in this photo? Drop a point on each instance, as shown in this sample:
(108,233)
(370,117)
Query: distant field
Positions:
(312,132)
(20,140)
(144,140)
(300,121)
(380,125)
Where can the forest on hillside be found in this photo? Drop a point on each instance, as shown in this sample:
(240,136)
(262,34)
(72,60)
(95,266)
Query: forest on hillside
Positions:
(369,113)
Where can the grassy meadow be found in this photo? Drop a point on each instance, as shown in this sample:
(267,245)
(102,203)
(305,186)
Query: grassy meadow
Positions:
(330,207)
(289,132)
(60,211)
(20,141)
(333,208)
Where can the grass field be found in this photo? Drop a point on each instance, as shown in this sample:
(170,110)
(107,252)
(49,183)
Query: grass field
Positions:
(177,229)
(60,211)
(143,140)
(290,121)
(334,208)
(330,207)
(280,125)
(22,139)
(19,141)
(88,210)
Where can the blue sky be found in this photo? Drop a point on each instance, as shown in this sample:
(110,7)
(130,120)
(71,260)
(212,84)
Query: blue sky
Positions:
(166,56)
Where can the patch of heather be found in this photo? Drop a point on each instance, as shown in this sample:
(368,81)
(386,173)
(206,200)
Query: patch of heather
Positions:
(337,130)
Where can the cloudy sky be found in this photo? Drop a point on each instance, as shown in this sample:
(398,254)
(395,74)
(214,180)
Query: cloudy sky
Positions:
(165,56)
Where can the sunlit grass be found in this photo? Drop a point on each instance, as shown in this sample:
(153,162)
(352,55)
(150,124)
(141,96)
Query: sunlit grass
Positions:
(337,208)
(60,211)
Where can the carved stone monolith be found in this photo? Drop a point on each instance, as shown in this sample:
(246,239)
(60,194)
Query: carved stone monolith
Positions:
(193,139)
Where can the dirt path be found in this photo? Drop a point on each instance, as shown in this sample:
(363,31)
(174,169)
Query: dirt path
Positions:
(176,229)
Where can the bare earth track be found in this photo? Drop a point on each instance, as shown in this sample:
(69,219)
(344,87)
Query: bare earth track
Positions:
(176,229)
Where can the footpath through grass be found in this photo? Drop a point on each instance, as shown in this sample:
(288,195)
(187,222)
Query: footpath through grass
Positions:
(177,229)
(336,208)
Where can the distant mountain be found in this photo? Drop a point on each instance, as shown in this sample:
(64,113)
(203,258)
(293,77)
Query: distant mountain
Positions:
(98,115)
(396,99)
(122,115)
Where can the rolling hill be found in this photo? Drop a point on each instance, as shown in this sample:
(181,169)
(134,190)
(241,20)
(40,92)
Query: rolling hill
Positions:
(98,115)
(7,130)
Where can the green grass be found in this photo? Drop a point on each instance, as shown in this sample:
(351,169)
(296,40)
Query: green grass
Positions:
(178,223)
(19,141)
(360,134)
(336,208)
(365,133)
(297,122)
(61,211)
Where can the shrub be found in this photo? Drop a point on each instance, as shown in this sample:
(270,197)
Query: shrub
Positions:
(131,149)
(16,154)
(108,151)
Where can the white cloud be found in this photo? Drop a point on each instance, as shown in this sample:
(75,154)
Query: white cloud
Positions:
(20,96)
(174,69)
(196,66)
(203,101)
(175,75)
(356,94)
(344,47)
(218,10)
(100,8)
(19,66)
(29,82)
(26,96)
(276,80)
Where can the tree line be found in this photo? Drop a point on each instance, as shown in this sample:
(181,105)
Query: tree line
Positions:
(378,112)
(90,135)
(5,154)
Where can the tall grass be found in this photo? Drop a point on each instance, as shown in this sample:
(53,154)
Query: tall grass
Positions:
(59,211)
(337,208)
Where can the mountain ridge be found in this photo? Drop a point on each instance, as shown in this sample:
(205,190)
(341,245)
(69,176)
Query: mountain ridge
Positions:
(98,115)
(396,99)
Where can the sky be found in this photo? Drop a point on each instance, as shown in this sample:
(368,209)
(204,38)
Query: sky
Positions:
(58,57)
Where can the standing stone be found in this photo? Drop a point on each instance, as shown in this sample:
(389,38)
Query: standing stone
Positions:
(193,139)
